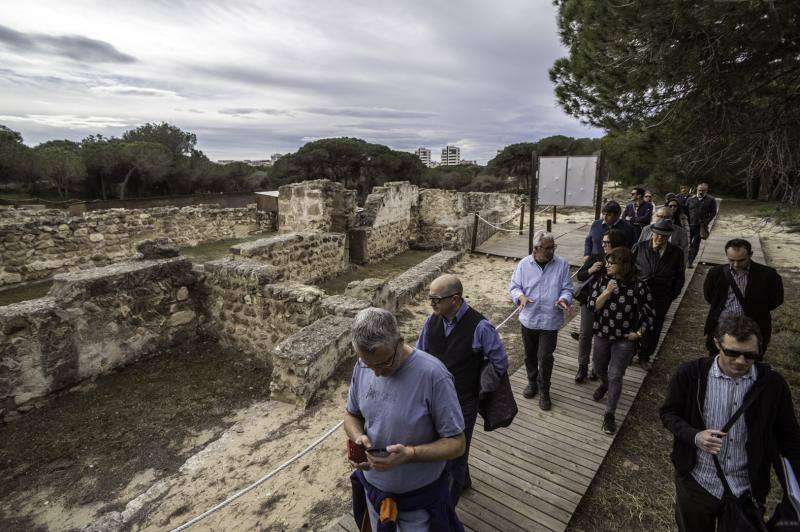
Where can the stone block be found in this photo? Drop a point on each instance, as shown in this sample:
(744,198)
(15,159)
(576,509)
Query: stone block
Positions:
(373,290)
(302,362)
(344,305)
(405,287)
(157,248)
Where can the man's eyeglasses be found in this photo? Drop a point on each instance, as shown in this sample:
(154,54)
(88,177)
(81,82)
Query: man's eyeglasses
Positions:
(749,355)
(380,365)
(648,196)
(438,299)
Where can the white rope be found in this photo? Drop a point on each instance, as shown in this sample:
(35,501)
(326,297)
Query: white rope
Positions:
(255,484)
(508,318)
(490,224)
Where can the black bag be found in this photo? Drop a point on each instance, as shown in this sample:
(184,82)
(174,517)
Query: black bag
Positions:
(583,290)
(498,408)
(785,517)
(738,514)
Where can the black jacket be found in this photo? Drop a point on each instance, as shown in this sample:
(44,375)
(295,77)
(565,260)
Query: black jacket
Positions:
(701,211)
(764,294)
(586,279)
(664,274)
(771,423)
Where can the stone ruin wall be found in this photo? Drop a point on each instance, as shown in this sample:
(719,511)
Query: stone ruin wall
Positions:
(316,206)
(388,223)
(253,301)
(38,244)
(303,257)
(92,322)
(444,218)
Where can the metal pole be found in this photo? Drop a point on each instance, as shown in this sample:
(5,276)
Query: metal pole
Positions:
(599,181)
(532,194)
(474,234)
(521,218)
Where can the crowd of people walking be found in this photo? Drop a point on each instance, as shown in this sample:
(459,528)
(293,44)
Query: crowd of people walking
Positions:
(411,410)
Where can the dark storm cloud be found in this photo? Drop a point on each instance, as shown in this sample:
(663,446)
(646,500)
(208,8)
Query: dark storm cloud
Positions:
(74,47)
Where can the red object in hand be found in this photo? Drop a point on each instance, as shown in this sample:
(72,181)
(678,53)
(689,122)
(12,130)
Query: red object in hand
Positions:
(356,452)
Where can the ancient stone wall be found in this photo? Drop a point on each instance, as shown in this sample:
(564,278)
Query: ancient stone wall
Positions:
(316,206)
(92,322)
(387,224)
(38,244)
(302,257)
(444,215)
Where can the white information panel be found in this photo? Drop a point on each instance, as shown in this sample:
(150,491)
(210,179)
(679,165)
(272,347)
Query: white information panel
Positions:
(552,180)
(581,173)
(567,181)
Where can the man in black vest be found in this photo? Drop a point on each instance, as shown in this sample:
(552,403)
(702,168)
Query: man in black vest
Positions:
(461,338)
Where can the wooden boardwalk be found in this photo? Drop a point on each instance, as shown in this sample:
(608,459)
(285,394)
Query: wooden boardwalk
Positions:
(533,474)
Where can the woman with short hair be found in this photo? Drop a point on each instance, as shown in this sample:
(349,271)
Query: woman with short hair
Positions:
(622,313)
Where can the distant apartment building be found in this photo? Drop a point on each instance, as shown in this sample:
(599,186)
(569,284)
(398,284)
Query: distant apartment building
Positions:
(451,155)
(424,155)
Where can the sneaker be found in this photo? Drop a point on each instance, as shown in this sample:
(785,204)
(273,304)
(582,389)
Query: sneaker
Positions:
(580,377)
(530,391)
(609,424)
(544,400)
(600,392)
(593,376)
(575,335)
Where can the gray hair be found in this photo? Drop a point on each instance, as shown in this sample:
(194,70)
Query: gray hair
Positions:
(540,236)
(374,327)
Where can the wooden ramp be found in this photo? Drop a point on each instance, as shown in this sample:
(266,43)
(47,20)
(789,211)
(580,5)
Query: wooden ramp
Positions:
(569,238)
(533,474)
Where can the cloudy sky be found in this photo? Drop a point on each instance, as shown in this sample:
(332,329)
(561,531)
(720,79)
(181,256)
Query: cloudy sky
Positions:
(255,78)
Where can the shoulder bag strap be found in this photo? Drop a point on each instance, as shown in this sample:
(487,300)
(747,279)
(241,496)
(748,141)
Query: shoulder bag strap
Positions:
(734,286)
(745,405)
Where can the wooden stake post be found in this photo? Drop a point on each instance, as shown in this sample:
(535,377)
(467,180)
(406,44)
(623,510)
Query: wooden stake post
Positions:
(533,194)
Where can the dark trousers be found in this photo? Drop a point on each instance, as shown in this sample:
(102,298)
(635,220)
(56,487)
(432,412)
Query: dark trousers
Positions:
(459,467)
(610,360)
(694,243)
(695,509)
(539,347)
(649,341)
(585,341)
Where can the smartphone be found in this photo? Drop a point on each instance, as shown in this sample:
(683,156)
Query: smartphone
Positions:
(356,452)
(378,451)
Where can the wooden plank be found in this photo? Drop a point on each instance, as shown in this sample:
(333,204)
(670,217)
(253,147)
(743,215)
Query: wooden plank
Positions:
(493,521)
(527,508)
(575,470)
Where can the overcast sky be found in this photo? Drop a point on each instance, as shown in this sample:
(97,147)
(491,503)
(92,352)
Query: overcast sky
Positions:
(255,78)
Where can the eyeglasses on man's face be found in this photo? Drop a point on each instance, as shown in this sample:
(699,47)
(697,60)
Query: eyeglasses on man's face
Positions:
(749,355)
(381,365)
(438,299)
(648,196)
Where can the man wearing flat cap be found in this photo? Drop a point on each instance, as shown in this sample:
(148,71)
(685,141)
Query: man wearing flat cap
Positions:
(661,265)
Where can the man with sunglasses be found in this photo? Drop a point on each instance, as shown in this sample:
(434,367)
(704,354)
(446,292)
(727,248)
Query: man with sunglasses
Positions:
(461,338)
(404,400)
(638,212)
(702,396)
(741,287)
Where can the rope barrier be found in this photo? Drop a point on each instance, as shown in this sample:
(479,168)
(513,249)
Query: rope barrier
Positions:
(258,482)
(280,468)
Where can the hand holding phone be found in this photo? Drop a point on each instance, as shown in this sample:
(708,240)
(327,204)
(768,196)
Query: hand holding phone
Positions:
(378,451)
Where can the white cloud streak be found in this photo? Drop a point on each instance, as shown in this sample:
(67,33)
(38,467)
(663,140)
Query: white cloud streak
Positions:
(253,78)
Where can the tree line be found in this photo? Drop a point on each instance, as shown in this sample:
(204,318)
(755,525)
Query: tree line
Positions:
(688,91)
(161,159)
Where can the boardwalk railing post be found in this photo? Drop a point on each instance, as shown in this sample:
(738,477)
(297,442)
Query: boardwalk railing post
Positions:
(554,213)
(532,196)
(474,234)
(521,218)
(549,226)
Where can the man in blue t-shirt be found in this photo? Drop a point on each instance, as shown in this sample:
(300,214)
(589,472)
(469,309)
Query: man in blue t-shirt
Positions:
(404,400)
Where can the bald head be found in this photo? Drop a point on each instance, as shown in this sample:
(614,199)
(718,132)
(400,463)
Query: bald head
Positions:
(447,284)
